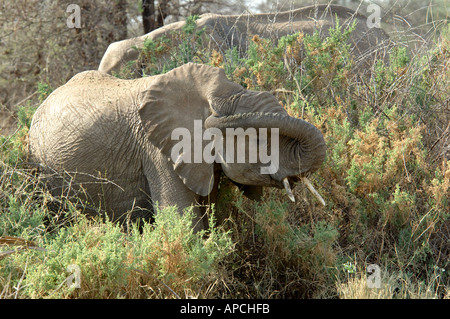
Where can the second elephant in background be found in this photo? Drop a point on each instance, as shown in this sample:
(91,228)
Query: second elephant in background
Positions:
(233,31)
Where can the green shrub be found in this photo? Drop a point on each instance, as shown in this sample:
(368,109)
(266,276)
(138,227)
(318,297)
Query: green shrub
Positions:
(166,259)
(44,90)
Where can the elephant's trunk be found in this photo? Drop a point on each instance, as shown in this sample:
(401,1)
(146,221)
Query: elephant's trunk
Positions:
(309,138)
(303,142)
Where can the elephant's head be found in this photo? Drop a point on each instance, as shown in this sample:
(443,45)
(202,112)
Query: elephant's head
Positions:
(197,117)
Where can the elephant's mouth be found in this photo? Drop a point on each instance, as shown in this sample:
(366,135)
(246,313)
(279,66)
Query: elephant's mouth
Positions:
(287,181)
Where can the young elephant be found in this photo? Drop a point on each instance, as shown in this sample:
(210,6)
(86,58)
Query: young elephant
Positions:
(130,144)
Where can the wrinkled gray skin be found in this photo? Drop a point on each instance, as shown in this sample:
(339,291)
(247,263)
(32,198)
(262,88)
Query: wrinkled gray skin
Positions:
(114,137)
(225,32)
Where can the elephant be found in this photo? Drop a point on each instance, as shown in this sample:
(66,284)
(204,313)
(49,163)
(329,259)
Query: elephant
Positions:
(228,31)
(117,140)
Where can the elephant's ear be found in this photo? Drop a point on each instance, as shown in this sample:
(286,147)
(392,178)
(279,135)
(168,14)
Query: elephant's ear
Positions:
(173,108)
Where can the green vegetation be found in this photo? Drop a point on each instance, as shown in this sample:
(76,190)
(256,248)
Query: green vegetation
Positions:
(118,264)
(386,182)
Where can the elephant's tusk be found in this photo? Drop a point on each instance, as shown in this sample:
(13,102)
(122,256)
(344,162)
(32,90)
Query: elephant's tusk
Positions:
(222,160)
(313,190)
(288,189)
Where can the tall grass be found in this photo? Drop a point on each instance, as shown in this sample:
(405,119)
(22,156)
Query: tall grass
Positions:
(386,179)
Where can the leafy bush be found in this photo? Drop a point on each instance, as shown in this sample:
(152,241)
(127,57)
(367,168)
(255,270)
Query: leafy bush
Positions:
(164,260)
(168,52)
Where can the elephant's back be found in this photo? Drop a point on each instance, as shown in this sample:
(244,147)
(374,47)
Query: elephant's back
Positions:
(86,130)
(80,122)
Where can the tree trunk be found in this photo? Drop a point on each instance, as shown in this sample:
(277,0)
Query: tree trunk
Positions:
(153,18)
(162,12)
(120,17)
(148,15)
